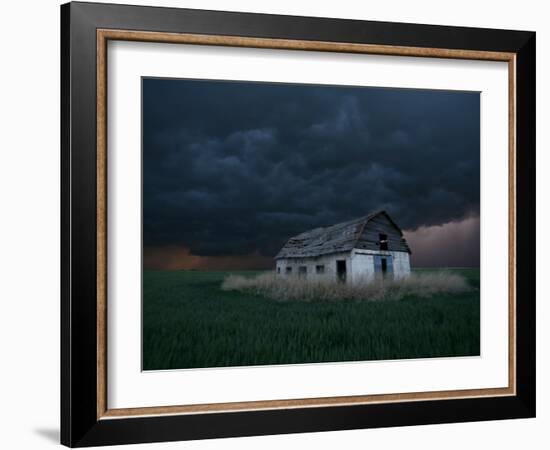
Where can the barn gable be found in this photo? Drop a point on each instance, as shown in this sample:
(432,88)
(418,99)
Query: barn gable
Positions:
(363,233)
(379,225)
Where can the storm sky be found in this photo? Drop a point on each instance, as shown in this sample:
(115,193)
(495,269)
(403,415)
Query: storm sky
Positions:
(231,170)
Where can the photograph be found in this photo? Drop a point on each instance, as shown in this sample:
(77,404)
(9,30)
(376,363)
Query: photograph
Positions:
(292,223)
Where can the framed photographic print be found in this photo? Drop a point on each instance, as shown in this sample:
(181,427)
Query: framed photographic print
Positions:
(276,224)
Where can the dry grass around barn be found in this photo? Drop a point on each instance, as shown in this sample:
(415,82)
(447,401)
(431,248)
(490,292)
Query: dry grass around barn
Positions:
(418,284)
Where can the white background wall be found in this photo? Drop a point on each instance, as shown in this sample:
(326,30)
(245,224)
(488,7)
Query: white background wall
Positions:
(29,237)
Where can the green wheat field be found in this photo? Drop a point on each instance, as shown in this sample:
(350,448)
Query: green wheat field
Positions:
(190,322)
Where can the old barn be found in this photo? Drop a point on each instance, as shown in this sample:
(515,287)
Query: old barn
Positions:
(360,249)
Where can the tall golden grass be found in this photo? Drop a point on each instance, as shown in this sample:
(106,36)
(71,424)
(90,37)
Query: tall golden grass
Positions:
(279,287)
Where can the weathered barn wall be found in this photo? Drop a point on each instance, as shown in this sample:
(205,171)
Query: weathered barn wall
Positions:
(362,264)
(327,261)
(401,264)
(359,265)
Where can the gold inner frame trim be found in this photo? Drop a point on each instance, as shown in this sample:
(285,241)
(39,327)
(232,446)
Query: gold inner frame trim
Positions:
(104,35)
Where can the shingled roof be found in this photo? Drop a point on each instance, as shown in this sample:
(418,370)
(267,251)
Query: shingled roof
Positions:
(341,237)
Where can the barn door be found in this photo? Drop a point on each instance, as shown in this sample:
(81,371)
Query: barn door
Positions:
(383,265)
(341,270)
(389,266)
(377,265)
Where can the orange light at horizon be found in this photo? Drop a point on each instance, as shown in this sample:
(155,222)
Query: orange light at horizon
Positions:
(175,257)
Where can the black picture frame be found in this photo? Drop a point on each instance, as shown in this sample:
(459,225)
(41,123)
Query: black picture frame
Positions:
(80,425)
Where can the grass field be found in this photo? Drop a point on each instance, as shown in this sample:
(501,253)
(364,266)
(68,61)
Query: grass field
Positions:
(189,321)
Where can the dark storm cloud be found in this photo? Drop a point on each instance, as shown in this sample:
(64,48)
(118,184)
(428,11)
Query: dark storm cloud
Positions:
(236,168)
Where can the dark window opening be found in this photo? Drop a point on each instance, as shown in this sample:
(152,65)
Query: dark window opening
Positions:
(302,271)
(289,270)
(384,265)
(278,270)
(320,269)
(383,241)
(341,270)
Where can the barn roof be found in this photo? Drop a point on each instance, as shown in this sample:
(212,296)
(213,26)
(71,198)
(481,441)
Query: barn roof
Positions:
(341,237)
